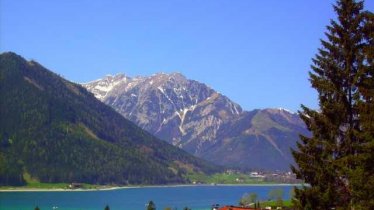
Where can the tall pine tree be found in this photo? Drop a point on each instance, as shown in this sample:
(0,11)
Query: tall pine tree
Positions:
(336,161)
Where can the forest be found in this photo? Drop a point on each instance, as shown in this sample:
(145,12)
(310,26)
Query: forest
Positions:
(56,131)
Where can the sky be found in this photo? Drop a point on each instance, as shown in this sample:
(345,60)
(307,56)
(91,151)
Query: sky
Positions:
(256,52)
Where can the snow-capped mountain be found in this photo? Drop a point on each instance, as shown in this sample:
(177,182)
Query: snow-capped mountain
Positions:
(193,116)
(173,108)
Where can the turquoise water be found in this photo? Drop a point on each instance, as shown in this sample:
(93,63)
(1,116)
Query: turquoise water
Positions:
(195,197)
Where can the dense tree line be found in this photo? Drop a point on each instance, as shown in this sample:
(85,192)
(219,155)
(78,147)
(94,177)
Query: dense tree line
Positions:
(58,132)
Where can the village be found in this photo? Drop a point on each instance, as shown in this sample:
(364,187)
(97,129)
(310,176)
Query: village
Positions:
(255,207)
(265,176)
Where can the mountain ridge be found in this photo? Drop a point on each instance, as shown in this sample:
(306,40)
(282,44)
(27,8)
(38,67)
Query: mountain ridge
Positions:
(193,116)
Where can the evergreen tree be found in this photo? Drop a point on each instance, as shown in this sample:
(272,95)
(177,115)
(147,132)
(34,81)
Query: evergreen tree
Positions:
(37,208)
(151,206)
(336,159)
(363,178)
(248,199)
(107,207)
(276,194)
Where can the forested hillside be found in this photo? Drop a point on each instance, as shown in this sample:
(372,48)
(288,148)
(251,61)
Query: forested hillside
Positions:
(56,131)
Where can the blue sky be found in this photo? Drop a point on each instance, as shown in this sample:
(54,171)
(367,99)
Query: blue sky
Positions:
(255,52)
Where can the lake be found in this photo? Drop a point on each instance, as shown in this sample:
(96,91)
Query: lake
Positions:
(195,197)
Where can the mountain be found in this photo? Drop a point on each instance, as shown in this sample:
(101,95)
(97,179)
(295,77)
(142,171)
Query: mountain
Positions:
(53,130)
(259,139)
(193,116)
(184,112)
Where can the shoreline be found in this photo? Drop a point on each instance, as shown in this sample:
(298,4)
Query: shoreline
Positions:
(110,188)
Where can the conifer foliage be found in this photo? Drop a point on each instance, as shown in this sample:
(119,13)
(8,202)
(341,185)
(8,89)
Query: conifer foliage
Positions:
(336,161)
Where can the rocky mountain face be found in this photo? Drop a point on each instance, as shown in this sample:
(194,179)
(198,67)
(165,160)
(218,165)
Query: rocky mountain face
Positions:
(193,116)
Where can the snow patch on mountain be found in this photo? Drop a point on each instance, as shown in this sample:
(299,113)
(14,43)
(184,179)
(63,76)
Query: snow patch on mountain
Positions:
(286,110)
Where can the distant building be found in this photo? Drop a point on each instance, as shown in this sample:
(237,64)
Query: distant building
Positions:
(75,185)
(237,208)
(239,180)
(255,174)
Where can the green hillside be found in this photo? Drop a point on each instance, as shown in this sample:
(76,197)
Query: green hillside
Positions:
(56,131)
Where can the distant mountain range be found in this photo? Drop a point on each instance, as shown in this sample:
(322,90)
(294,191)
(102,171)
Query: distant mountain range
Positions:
(198,119)
(52,130)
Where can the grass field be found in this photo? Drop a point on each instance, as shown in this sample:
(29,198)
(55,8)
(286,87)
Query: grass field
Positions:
(219,178)
(32,183)
(225,178)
